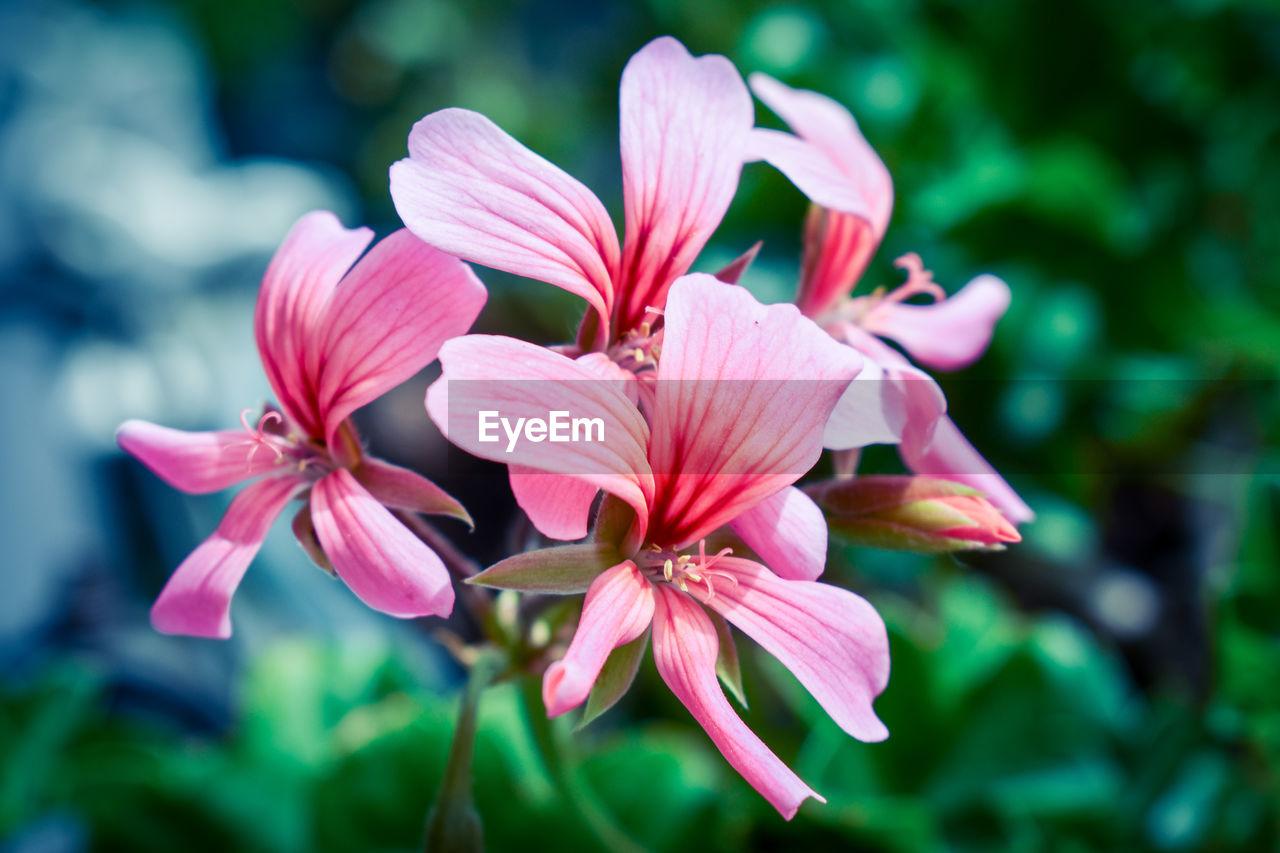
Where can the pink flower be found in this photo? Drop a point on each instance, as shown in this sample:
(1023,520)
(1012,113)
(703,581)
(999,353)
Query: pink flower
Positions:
(469,189)
(332,337)
(832,163)
(736,416)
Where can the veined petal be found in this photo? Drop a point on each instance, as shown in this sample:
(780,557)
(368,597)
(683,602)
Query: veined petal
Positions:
(517,381)
(833,641)
(470,189)
(295,290)
(789,533)
(197,599)
(811,170)
(389,568)
(195,462)
(387,321)
(559,506)
(947,453)
(684,126)
(839,239)
(743,394)
(685,650)
(950,334)
(401,488)
(618,608)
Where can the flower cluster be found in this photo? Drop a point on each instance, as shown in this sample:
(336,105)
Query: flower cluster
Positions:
(711,406)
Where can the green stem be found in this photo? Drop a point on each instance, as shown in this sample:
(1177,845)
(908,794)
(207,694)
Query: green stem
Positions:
(568,776)
(453,824)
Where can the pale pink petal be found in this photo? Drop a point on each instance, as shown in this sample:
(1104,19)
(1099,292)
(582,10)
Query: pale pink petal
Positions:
(833,641)
(471,190)
(195,462)
(387,321)
(948,454)
(197,599)
(514,379)
(788,532)
(685,648)
(808,167)
(840,240)
(401,488)
(295,290)
(389,568)
(891,401)
(604,367)
(618,608)
(558,506)
(950,334)
(684,126)
(743,394)
(829,126)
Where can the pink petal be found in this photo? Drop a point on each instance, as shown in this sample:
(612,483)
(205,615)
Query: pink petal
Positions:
(389,568)
(950,334)
(743,393)
(839,243)
(515,379)
(891,400)
(197,599)
(558,506)
(617,609)
(829,126)
(295,290)
(397,487)
(471,190)
(685,123)
(948,454)
(387,321)
(811,170)
(685,649)
(788,532)
(195,462)
(833,641)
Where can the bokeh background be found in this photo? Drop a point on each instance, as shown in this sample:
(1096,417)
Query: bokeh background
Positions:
(1111,683)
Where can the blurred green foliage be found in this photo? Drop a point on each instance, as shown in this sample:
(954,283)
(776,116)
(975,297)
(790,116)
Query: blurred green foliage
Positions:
(1115,162)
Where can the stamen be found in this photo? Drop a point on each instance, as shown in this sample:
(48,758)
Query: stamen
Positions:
(919,280)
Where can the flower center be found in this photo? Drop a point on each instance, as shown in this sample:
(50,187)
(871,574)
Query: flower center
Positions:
(270,435)
(861,310)
(639,349)
(665,565)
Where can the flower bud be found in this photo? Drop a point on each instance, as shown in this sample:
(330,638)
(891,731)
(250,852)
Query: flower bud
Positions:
(927,515)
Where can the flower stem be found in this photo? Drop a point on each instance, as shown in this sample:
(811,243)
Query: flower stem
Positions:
(453,824)
(568,777)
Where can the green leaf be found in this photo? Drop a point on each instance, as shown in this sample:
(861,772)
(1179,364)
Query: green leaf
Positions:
(728,668)
(615,678)
(564,570)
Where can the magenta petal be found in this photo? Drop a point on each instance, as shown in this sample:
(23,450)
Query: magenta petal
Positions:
(833,641)
(743,394)
(788,532)
(685,649)
(401,488)
(387,321)
(558,506)
(388,567)
(197,599)
(195,462)
(471,190)
(950,334)
(515,379)
(684,125)
(295,291)
(617,609)
(948,454)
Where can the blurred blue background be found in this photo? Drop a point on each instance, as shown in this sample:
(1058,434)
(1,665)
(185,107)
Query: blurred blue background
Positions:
(1111,683)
